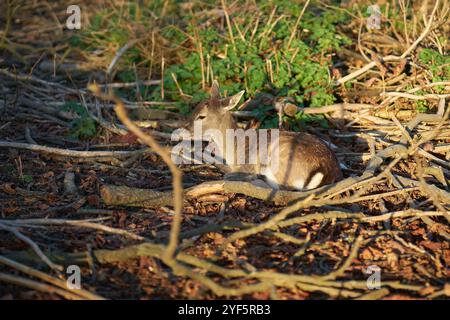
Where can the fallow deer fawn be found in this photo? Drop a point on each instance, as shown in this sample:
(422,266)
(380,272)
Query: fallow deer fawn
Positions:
(304,161)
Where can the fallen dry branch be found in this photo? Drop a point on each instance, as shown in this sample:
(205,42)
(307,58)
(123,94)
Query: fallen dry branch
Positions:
(69,153)
(32,244)
(267,279)
(84,294)
(177,182)
(134,197)
(26,78)
(416,97)
(35,285)
(74,223)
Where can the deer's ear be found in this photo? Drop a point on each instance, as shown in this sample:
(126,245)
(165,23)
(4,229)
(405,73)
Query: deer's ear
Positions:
(215,93)
(234,100)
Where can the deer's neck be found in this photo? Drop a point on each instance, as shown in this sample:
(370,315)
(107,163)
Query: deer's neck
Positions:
(233,146)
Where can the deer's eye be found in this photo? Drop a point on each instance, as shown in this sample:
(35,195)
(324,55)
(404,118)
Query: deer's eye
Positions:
(201,117)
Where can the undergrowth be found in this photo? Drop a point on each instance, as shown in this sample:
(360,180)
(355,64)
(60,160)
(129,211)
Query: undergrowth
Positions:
(264,55)
(258,49)
(83,126)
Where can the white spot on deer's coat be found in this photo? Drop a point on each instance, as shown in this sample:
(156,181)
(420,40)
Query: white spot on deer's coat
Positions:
(316,180)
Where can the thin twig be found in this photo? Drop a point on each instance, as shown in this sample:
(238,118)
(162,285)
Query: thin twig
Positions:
(33,245)
(45,277)
(177,182)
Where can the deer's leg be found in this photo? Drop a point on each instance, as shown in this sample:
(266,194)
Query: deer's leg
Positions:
(254,179)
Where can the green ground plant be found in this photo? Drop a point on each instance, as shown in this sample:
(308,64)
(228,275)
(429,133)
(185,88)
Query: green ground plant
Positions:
(83,127)
(439,67)
(437,64)
(259,50)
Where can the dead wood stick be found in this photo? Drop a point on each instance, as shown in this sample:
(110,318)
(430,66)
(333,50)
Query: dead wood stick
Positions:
(134,197)
(416,97)
(29,257)
(352,255)
(269,223)
(76,223)
(279,197)
(43,276)
(366,68)
(443,195)
(38,286)
(69,153)
(274,278)
(119,54)
(268,279)
(33,245)
(47,108)
(210,228)
(374,295)
(130,84)
(401,214)
(177,174)
(291,109)
(21,77)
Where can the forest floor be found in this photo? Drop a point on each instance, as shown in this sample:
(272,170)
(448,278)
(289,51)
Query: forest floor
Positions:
(381,233)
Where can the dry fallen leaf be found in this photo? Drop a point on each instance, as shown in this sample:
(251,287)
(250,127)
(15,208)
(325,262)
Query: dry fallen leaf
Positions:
(93,200)
(8,188)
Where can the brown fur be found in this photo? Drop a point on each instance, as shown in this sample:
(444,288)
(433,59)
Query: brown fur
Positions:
(301,155)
